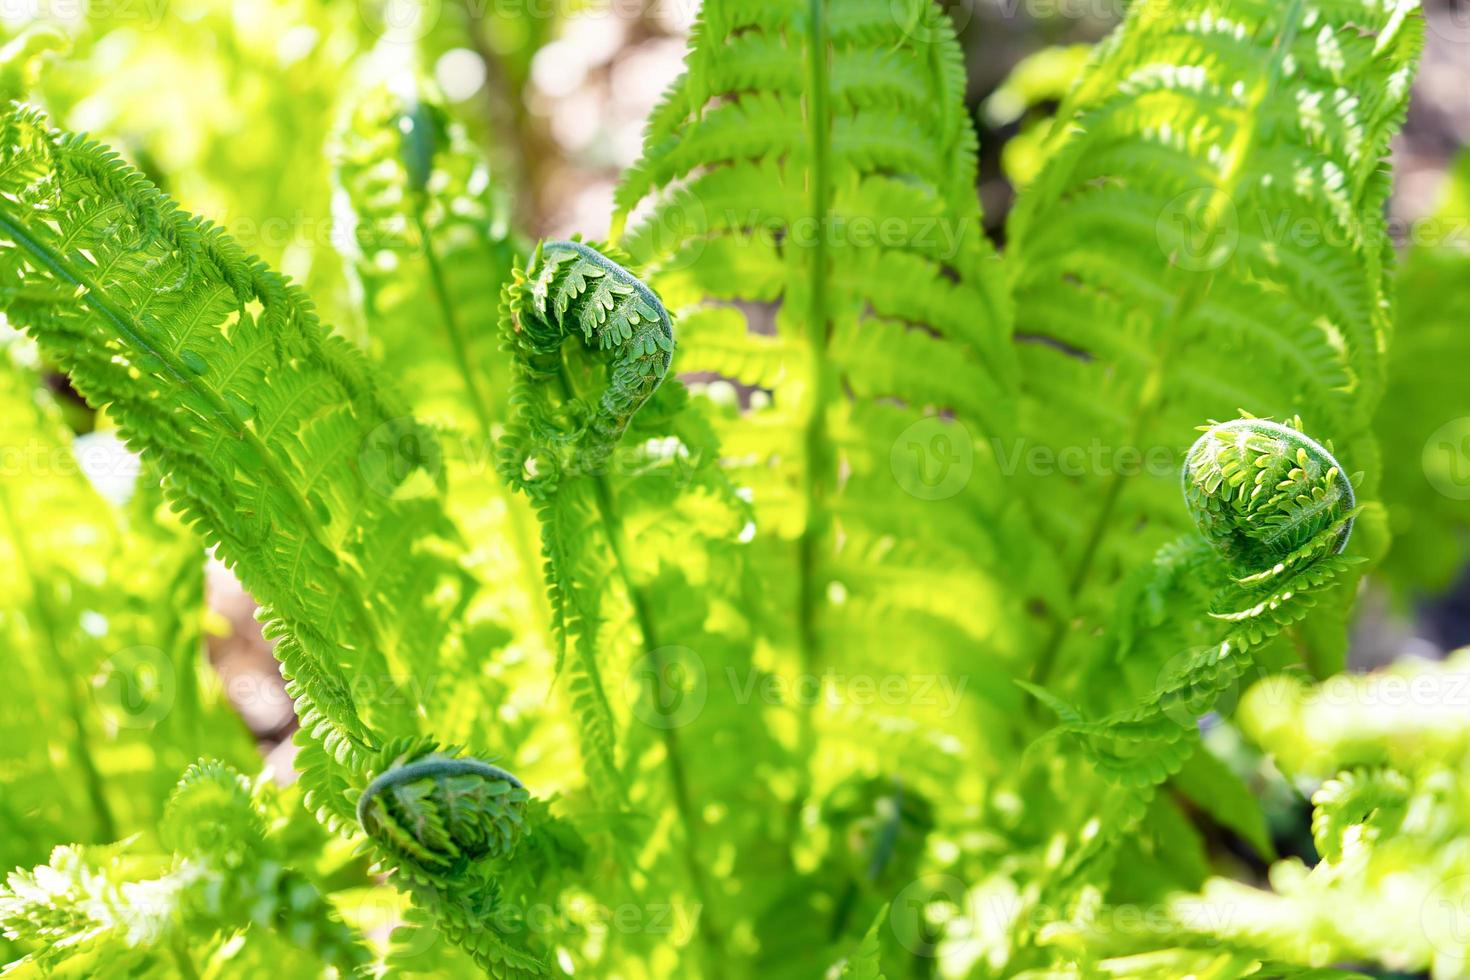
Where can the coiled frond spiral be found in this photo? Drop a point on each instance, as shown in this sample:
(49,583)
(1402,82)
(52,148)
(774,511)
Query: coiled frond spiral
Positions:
(437,811)
(1260,491)
(573,289)
(1275,510)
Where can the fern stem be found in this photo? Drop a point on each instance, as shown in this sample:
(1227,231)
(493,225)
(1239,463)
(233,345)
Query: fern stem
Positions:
(452,328)
(66,674)
(612,526)
(815,438)
(90,294)
(678,774)
(521,539)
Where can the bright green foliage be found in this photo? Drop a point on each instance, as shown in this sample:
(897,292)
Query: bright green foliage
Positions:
(668,741)
(1275,513)
(1041,78)
(591,345)
(429,239)
(269,474)
(303,486)
(429,250)
(176,89)
(1389,823)
(101,620)
(1219,131)
(1422,424)
(446,821)
(805,207)
(122,908)
(1158,282)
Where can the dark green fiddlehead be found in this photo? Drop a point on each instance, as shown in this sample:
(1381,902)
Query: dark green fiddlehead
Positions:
(437,812)
(446,823)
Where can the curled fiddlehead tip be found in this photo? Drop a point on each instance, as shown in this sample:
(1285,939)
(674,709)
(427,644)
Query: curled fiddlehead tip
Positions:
(575,401)
(437,811)
(1260,491)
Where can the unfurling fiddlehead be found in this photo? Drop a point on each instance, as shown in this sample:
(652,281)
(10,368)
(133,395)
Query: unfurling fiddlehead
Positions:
(568,289)
(437,812)
(1259,491)
(591,345)
(1275,509)
(446,824)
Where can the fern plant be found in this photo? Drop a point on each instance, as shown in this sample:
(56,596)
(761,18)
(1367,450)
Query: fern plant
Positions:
(719,599)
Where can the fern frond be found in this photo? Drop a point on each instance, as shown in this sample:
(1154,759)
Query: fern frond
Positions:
(805,205)
(591,345)
(277,445)
(1275,512)
(1163,239)
(1275,508)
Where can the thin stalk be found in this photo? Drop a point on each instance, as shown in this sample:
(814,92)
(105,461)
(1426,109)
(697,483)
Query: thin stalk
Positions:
(527,555)
(612,526)
(815,436)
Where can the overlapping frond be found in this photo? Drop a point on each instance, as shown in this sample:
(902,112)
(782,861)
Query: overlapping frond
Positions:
(278,447)
(805,205)
(1207,236)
